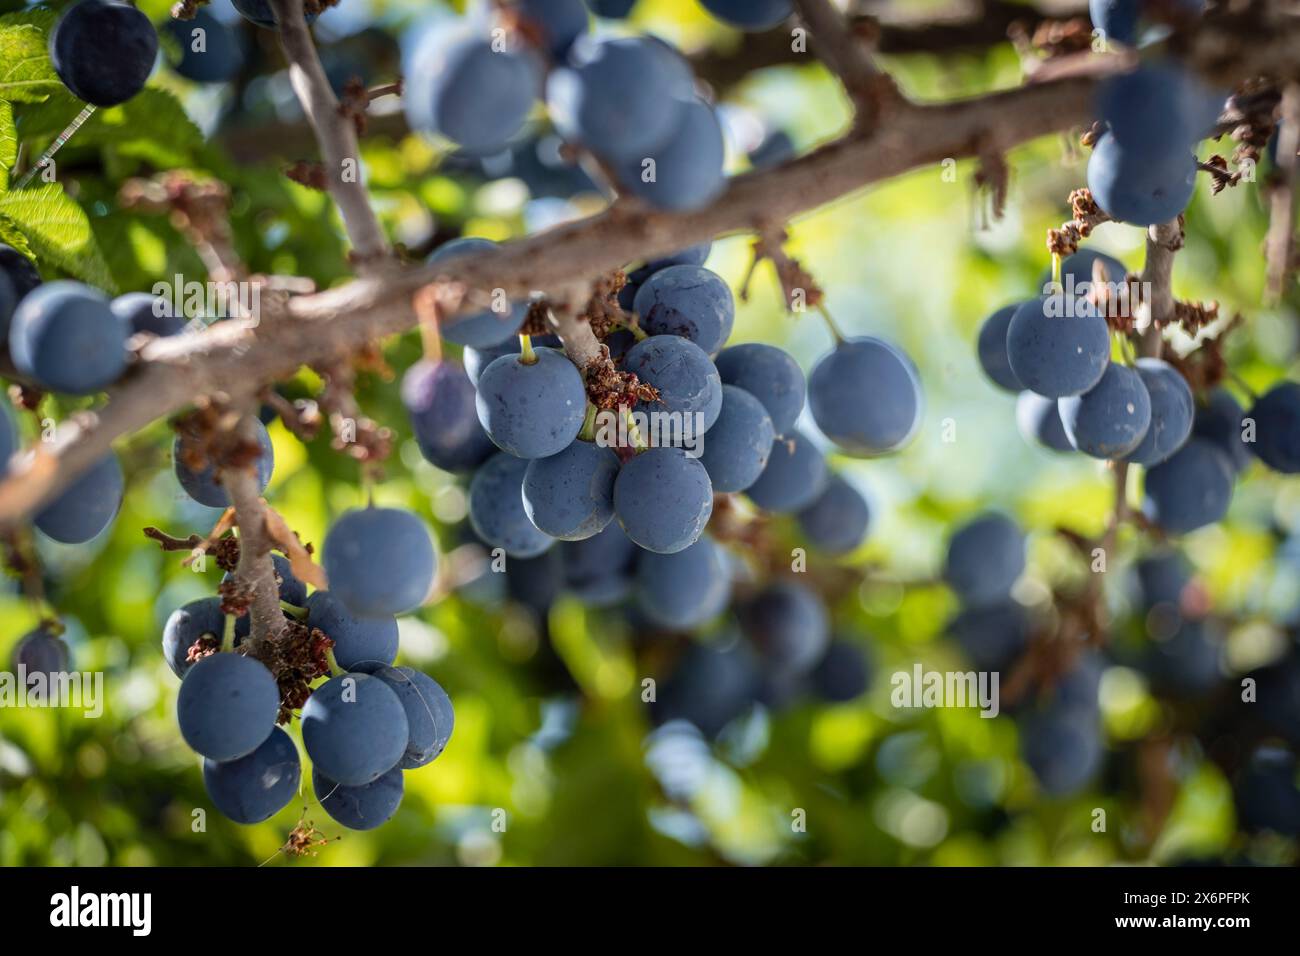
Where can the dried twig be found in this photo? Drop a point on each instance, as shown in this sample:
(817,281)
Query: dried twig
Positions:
(335,134)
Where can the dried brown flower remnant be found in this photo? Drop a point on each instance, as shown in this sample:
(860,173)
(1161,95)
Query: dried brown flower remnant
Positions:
(1252,113)
(608,388)
(1049,40)
(187,9)
(234,599)
(353,103)
(1085,208)
(1206,367)
(1217,167)
(309,174)
(296,659)
(304,839)
(1092,134)
(27,398)
(603,312)
(800,289)
(1055,38)
(1087,217)
(361,438)
(205,646)
(730,523)
(226,552)
(1194,316)
(301,416)
(369,441)
(197,207)
(356,98)
(208,439)
(1116,304)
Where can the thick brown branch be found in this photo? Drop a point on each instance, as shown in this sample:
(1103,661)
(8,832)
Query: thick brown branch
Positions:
(235,360)
(152,392)
(629,231)
(255,574)
(335,133)
(240,361)
(580,342)
(1157,290)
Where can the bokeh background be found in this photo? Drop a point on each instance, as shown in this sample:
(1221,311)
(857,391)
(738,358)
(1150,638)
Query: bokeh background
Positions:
(550,726)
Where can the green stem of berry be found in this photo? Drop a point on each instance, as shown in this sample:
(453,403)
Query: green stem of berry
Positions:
(335,669)
(1056,268)
(526,353)
(836,334)
(1128,351)
(588,432)
(633,432)
(431,338)
(633,326)
(228,634)
(294,611)
(1117,345)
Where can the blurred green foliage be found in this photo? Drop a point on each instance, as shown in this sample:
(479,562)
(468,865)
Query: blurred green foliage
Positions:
(551,733)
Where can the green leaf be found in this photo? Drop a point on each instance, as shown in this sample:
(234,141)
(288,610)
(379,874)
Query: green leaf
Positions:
(43,18)
(152,126)
(139,250)
(10,235)
(58,232)
(170,47)
(26,74)
(8,143)
(158,11)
